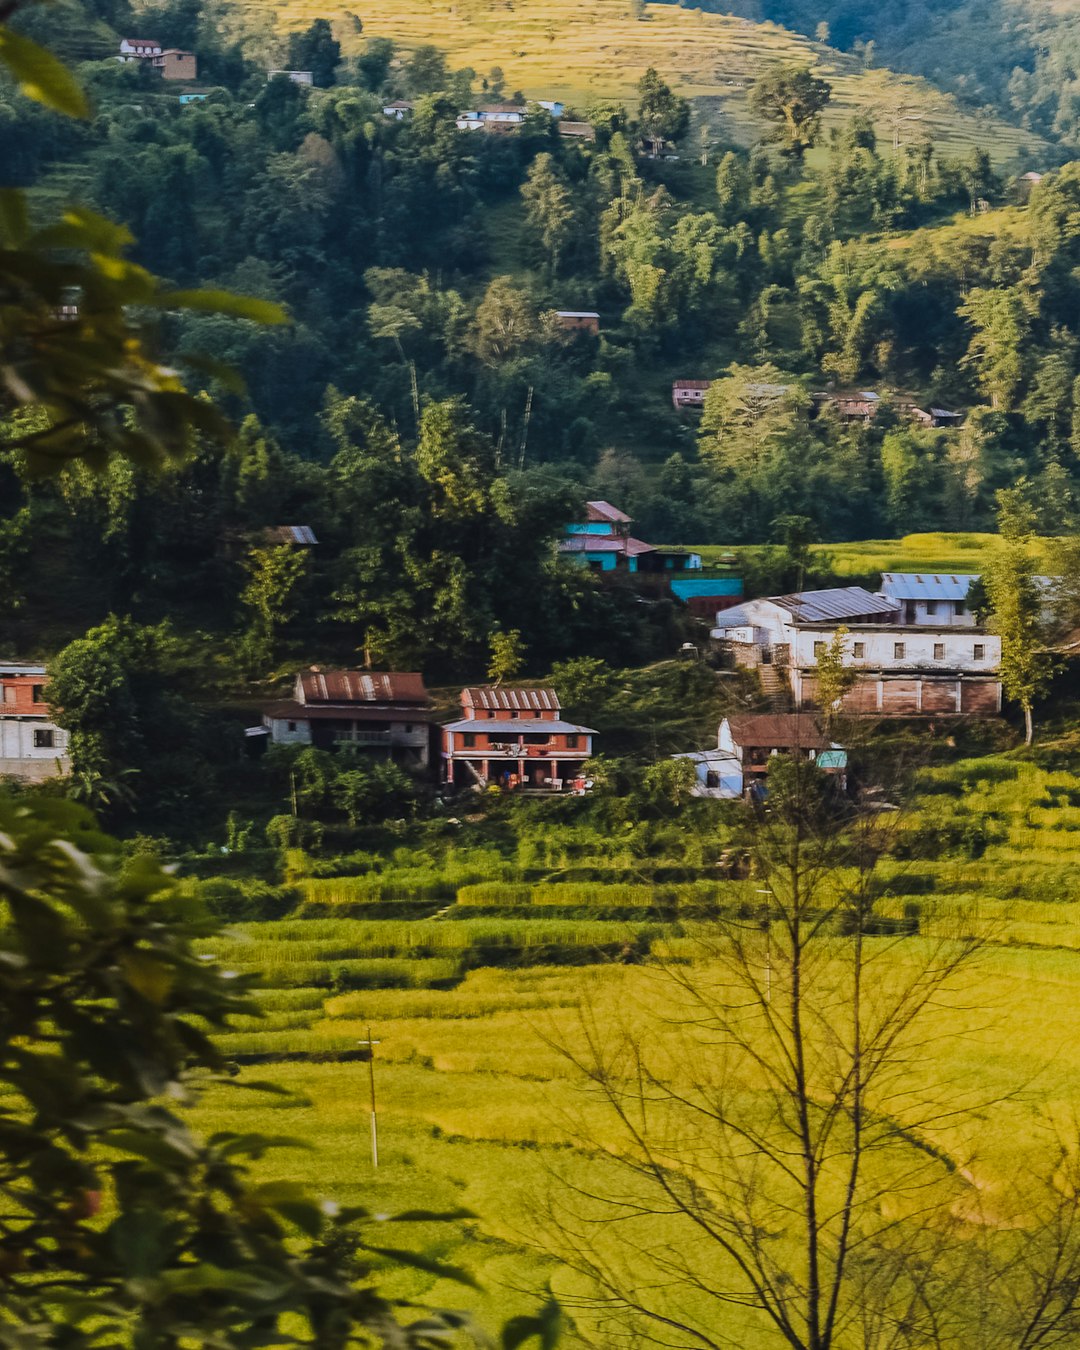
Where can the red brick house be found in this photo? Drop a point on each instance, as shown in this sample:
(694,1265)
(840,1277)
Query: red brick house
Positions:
(387,712)
(32,746)
(515,738)
(578,320)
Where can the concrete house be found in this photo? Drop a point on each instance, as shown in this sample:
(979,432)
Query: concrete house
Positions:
(517,739)
(399,109)
(32,747)
(936,598)
(174,64)
(753,739)
(602,541)
(902,669)
(386,713)
(138,49)
(578,320)
(305,77)
(689,394)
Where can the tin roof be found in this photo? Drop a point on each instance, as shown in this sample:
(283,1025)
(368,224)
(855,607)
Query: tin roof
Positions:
(291,710)
(604,512)
(601,543)
(291,534)
(838,602)
(577,313)
(691,384)
(927,585)
(778,731)
(516,724)
(496,699)
(361,686)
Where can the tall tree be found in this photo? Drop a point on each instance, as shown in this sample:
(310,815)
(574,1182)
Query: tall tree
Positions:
(1017,606)
(661,112)
(316,49)
(792,99)
(549,207)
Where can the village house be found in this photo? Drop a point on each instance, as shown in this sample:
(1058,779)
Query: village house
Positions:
(552,106)
(578,320)
(170,62)
(690,394)
(290,536)
(930,597)
(138,49)
(517,739)
(492,117)
(388,713)
(900,669)
(862,406)
(305,77)
(577,131)
(746,746)
(32,747)
(602,541)
(399,109)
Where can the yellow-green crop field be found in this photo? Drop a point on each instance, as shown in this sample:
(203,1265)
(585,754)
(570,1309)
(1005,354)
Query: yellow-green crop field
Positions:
(473,1002)
(936,552)
(584,53)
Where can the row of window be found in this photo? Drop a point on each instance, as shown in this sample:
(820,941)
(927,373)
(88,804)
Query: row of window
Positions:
(11,693)
(468,741)
(858,651)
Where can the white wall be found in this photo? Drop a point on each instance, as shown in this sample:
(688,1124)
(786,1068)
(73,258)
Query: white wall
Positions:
(20,757)
(920,644)
(281,735)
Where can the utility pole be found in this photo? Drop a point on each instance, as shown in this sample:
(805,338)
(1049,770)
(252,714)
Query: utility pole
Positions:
(371,1084)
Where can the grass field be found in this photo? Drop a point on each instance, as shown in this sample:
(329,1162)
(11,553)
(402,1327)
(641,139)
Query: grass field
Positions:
(477,1107)
(936,552)
(583,53)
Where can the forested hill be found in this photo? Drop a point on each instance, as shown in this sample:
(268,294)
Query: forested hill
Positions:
(1019,56)
(427,413)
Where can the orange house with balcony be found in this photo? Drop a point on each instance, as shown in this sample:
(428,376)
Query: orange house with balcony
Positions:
(32,746)
(514,738)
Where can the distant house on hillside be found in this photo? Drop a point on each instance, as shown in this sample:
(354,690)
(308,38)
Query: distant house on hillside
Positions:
(602,541)
(387,713)
(933,598)
(492,117)
(296,536)
(746,745)
(138,49)
(863,406)
(579,131)
(690,394)
(32,747)
(171,63)
(517,739)
(551,106)
(399,109)
(900,669)
(578,320)
(304,77)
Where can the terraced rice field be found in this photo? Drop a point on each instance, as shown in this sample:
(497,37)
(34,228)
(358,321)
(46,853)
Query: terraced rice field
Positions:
(478,1106)
(585,53)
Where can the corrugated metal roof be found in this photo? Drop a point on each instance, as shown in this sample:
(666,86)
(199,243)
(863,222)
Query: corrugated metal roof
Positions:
(839,602)
(691,384)
(927,585)
(361,686)
(498,699)
(598,512)
(291,534)
(778,731)
(498,725)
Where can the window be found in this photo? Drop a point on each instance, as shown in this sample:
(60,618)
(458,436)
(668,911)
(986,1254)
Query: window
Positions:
(819,649)
(958,605)
(898,651)
(939,651)
(535,738)
(859,650)
(292,726)
(468,740)
(408,728)
(514,713)
(37,693)
(10,694)
(931,606)
(44,739)
(571,742)
(980,652)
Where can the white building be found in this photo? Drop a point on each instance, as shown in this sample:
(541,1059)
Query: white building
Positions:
(138,49)
(903,669)
(32,746)
(936,598)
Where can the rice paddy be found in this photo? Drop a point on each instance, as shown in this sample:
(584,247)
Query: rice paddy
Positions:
(477,1104)
(584,54)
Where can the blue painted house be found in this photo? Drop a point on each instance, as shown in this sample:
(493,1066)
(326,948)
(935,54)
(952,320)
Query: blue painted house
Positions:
(603,542)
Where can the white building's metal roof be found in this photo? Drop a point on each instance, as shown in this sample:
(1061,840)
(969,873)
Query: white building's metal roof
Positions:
(927,585)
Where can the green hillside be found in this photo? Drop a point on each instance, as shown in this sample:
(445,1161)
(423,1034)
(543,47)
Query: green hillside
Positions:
(586,53)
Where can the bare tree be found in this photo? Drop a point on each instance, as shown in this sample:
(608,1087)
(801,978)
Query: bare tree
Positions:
(762,1132)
